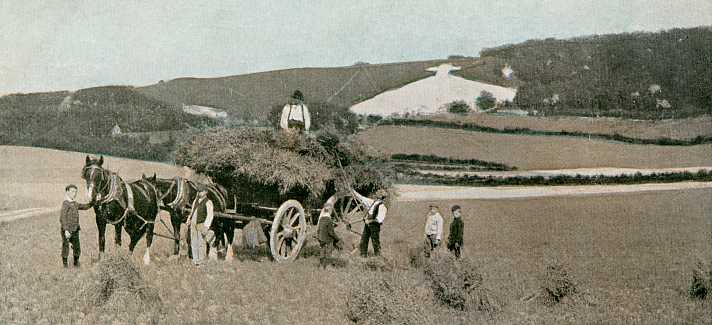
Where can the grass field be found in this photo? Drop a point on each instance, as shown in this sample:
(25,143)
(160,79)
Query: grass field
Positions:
(642,129)
(533,152)
(630,254)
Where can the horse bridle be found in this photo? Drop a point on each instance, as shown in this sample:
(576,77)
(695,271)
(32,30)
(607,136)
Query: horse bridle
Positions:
(91,175)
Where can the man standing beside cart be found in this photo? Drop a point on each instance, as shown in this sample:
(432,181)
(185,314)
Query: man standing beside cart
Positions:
(199,221)
(376,214)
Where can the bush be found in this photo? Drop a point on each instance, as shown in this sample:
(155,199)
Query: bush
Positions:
(486,100)
(457,284)
(458,107)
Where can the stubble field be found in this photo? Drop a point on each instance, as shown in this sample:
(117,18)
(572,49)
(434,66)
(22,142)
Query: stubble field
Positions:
(631,256)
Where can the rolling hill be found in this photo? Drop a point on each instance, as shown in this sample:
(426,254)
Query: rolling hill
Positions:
(252,96)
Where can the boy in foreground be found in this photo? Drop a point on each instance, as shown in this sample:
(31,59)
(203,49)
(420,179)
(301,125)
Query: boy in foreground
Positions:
(69,221)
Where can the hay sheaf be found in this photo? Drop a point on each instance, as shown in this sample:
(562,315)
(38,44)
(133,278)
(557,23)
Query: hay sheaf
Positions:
(386,299)
(457,284)
(117,281)
(701,282)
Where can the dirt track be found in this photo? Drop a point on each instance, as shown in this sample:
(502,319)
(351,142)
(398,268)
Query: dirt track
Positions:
(411,193)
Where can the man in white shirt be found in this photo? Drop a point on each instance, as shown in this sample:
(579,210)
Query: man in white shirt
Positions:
(372,223)
(200,219)
(295,115)
(433,230)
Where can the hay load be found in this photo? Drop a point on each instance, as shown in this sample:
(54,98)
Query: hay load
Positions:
(268,166)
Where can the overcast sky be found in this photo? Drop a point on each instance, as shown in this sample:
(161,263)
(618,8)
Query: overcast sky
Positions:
(73,44)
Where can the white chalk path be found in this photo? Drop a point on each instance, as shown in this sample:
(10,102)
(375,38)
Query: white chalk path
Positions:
(7,216)
(413,193)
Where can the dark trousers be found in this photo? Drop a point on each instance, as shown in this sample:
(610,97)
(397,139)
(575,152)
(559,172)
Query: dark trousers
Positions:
(74,240)
(456,250)
(371,231)
(429,244)
(325,253)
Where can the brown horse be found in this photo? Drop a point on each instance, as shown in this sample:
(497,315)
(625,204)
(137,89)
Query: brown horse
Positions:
(133,206)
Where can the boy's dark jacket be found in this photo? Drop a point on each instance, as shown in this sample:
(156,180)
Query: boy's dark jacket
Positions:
(326,231)
(69,217)
(456,229)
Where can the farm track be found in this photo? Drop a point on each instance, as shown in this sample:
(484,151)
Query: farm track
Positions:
(13,215)
(413,193)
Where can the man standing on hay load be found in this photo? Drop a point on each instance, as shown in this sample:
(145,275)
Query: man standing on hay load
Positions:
(295,115)
(69,221)
(199,221)
(376,214)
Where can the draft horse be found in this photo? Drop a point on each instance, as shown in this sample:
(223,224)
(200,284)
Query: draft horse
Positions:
(133,206)
(177,196)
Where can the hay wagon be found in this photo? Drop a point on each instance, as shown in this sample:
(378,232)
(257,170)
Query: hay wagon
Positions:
(289,225)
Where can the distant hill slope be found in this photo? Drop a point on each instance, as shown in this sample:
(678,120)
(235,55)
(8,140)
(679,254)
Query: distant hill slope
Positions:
(640,75)
(83,120)
(251,96)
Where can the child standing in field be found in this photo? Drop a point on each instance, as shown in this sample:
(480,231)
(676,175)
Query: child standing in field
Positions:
(69,221)
(433,230)
(454,239)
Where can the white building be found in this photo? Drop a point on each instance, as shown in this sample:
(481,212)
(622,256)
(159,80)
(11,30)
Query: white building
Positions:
(431,95)
(204,111)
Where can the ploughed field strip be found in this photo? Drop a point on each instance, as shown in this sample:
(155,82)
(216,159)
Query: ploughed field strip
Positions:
(585,172)
(526,152)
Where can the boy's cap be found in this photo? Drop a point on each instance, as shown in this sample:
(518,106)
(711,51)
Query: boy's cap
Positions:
(455,208)
(70,186)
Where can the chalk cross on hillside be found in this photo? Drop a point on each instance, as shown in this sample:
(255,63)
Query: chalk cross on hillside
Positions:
(443,70)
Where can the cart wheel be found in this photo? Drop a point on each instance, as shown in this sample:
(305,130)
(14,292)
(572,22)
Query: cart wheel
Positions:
(288,231)
(346,209)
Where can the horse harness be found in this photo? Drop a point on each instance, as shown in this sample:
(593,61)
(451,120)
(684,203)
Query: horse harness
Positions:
(115,191)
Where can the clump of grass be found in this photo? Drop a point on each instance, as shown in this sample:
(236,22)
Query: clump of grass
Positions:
(376,263)
(701,284)
(457,284)
(117,276)
(390,299)
(416,258)
(557,283)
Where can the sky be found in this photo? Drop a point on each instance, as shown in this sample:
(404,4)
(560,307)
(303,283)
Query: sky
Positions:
(48,45)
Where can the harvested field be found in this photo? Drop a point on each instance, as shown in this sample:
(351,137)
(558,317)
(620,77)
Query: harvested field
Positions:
(632,255)
(533,152)
(644,129)
(45,173)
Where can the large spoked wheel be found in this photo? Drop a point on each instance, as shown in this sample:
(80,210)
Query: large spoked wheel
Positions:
(288,231)
(346,209)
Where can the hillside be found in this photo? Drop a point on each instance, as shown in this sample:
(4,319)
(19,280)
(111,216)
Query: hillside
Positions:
(251,96)
(637,75)
(82,120)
